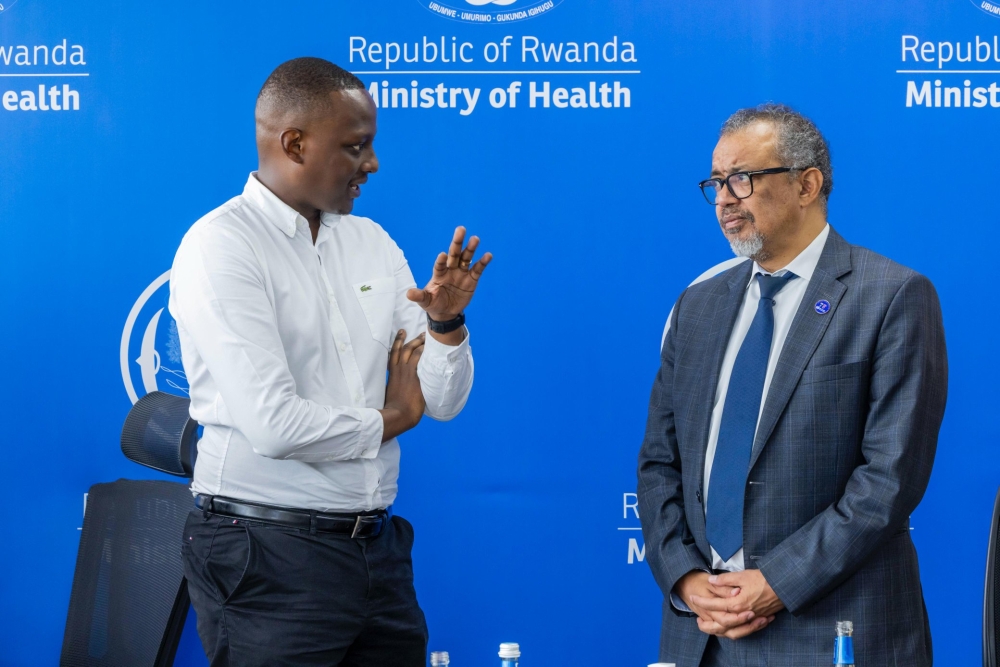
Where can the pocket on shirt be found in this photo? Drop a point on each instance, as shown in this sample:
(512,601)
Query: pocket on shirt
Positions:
(378,301)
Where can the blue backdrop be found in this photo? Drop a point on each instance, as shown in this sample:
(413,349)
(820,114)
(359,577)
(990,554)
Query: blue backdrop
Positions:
(596,224)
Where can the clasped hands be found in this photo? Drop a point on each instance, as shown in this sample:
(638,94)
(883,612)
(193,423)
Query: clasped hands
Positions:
(733,605)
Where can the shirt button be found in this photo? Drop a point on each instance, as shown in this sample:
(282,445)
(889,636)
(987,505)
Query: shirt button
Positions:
(343,347)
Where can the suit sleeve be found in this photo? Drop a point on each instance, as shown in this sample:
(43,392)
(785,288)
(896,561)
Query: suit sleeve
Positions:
(670,548)
(907,391)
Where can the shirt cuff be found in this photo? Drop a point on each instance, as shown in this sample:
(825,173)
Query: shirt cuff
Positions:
(371,433)
(441,354)
(678,603)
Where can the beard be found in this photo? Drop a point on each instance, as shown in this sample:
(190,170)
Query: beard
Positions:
(753,245)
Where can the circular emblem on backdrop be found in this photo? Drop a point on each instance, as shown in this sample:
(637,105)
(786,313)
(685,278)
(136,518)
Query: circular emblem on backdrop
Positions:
(822,307)
(6,4)
(489,11)
(150,354)
(990,7)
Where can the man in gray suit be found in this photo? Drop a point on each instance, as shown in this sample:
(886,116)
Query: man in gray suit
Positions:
(792,426)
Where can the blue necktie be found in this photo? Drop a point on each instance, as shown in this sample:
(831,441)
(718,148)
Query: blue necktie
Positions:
(727,483)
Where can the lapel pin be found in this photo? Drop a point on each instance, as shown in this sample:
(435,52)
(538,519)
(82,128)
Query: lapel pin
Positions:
(822,307)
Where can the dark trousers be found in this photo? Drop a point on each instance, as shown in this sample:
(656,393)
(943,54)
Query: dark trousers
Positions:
(722,652)
(270,595)
(713,654)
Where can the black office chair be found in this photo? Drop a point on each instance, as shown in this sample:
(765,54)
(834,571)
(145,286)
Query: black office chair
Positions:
(160,434)
(991,597)
(129,600)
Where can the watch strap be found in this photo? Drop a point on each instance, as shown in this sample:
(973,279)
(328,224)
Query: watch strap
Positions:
(447,326)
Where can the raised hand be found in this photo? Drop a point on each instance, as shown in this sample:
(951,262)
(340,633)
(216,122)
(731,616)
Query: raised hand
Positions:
(453,281)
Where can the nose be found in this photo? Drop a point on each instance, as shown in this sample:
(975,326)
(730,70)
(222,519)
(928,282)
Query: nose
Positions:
(724,197)
(370,166)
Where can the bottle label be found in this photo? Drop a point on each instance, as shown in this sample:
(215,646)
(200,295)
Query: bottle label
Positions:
(843,651)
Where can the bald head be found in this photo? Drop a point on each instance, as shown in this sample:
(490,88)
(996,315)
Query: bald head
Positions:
(315,128)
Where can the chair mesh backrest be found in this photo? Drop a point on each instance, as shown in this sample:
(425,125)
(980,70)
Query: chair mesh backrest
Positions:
(129,598)
(160,434)
(991,598)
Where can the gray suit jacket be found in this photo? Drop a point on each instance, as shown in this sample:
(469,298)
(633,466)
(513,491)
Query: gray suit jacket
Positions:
(843,454)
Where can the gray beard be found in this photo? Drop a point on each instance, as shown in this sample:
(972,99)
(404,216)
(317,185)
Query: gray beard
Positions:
(751,247)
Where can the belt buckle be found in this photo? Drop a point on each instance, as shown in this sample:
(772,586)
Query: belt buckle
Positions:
(363,520)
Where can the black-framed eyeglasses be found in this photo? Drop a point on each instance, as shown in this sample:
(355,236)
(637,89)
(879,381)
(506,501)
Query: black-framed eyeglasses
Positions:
(740,184)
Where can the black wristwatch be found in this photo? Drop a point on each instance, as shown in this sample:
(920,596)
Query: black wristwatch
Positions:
(447,326)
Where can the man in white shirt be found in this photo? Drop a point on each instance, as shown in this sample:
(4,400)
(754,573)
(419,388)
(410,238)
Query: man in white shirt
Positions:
(792,425)
(289,312)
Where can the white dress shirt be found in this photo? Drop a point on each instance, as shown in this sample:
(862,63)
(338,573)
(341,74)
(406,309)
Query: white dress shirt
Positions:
(786,304)
(285,344)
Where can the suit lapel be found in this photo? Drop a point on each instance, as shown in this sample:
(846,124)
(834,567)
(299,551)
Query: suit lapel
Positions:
(803,337)
(729,298)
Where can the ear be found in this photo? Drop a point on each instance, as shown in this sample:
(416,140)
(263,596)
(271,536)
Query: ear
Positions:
(292,144)
(810,185)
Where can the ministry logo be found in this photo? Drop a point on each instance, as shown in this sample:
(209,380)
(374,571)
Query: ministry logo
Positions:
(150,353)
(489,11)
(7,4)
(988,7)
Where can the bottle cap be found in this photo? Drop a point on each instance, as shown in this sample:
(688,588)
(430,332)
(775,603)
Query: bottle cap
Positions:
(845,627)
(439,658)
(510,650)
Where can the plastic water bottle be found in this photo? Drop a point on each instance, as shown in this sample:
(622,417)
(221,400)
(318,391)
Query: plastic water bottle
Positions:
(843,649)
(509,654)
(440,659)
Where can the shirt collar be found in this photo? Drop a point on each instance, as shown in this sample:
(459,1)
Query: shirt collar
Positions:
(804,264)
(283,216)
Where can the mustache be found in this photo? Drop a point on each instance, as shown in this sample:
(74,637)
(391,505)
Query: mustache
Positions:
(734,210)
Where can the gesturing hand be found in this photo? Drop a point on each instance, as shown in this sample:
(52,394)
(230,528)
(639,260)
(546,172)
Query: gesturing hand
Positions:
(404,402)
(453,281)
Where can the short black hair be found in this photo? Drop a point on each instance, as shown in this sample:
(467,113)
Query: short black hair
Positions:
(800,143)
(300,83)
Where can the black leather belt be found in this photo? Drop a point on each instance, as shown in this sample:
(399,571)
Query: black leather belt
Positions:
(367,524)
